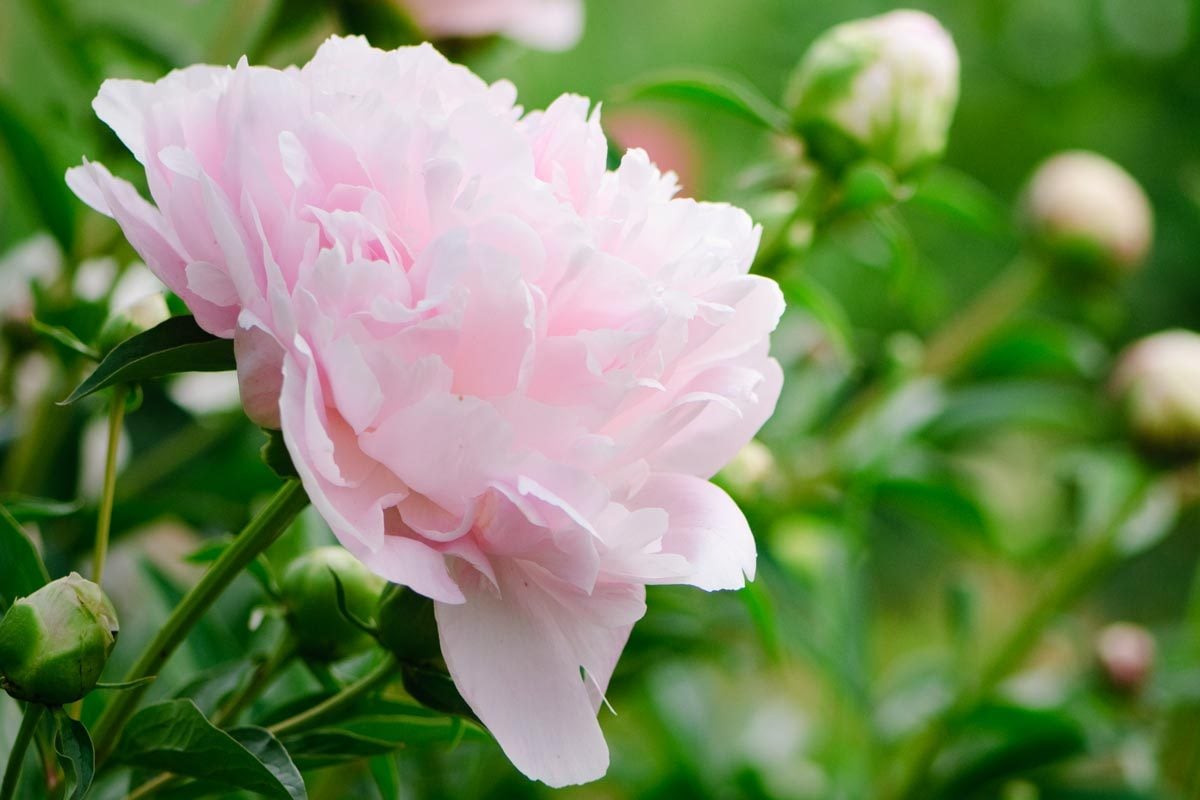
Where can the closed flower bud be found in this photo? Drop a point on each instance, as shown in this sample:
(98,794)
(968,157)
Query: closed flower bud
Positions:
(1082,209)
(132,320)
(407,627)
(1157,382)
(1125,653)
(323,632)
(751,470)
(55,642)
(883,88)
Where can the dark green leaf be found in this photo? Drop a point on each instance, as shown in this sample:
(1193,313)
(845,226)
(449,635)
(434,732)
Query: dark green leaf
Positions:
(276,456)
(43,180)
(999,742)
(434,689)
(123,685)
(175,737)
(176,345)
(78,759)
(713,89)
(21,569)
(965,199)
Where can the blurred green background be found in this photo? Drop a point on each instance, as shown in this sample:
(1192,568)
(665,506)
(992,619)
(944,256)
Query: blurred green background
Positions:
(879,590)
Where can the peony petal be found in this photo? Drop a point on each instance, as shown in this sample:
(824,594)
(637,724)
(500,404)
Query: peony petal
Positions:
(706,527)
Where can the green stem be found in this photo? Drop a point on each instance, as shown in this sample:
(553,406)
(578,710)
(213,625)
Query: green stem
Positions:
(264,529)
(116,415)
(1070,582)
(263,674)
(380,674)
(12,773)
(950,349)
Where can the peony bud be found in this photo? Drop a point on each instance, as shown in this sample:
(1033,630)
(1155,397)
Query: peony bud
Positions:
(141,316)
(55,642)
(322,631)
(1157,381)
(1080,208)
(883,88)
(407,626)
(1125,653)
(751,470)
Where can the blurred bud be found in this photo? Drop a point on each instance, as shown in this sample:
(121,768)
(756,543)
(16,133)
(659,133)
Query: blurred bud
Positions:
(1125,653)
(132,320)
(309,591)
(407,626)
(55,642)
(1157,381)
(1082,209)
(882,88)
(750,470)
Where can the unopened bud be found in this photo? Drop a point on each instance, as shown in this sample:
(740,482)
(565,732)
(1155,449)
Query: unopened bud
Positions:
(1157,382)
(883,88)
(55,642)
(1125,653)
(407,627)
(751,470)
(323,632)
(132,320)
(1082,209)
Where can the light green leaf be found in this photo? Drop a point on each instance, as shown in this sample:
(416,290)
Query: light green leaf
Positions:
(75,752)
(21,569)
(713,89)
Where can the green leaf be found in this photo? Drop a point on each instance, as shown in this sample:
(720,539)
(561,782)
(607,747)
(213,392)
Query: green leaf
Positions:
(434,689)
(275,455)
(964,199)
(74,747)
(30,509)
(375,735)
(21,569)
(62,336)
(175,737)
(176,345)
(121,686)
(997,742)
(42,178)
(713,89)
(803,291)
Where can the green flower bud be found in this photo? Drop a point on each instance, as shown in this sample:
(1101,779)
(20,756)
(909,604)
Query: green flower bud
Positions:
(1082,210)
(1157,383)
(407,626)
(322,631)
(883,88)
(55,642)
(132,320)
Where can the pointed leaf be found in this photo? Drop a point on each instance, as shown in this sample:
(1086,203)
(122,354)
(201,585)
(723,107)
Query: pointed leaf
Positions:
(21,569)
(75,753)
(176,345)
(727,93)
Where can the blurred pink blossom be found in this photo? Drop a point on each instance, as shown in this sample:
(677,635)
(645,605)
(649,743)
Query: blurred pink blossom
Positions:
(668,143)
(503,372)
(544,24)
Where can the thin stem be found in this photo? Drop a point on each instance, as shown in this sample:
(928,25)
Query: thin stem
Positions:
(1071,581)
(151,786)
(261,678)
(116,415)
(264,529)
(961,338)
(12,773)
(380,674)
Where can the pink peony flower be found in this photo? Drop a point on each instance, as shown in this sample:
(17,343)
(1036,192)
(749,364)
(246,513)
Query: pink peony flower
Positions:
(503,372)
(544,24)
